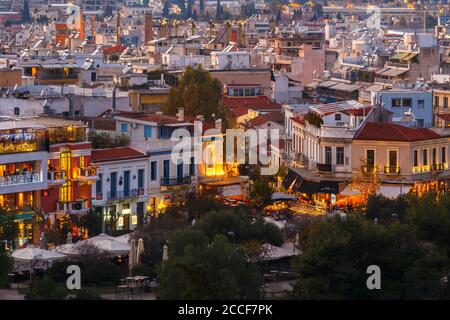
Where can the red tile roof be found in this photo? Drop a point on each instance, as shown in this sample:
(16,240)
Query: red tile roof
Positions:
(382,131)
(115,154)
(239,111)
(254,103)
(256,122)
(299,120)
(358,111)
(113,49)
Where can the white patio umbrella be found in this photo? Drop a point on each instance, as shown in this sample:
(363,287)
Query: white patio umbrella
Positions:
(108,244)
(165,253)
(102,242)
(140,251)
(132,256)
(125,238)
(32,253)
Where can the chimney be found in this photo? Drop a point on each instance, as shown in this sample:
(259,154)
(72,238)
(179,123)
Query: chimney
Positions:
(218,124)
(180,114)
(200,117)
(148,29)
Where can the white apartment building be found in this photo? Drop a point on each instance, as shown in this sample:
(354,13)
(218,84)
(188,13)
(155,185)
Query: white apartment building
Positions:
(120,194)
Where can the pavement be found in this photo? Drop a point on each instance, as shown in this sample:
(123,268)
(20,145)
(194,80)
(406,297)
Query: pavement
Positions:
(11,294)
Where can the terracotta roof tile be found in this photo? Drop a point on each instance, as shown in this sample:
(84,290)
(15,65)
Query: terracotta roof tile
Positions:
(382,131)
(255,103)
(115,154)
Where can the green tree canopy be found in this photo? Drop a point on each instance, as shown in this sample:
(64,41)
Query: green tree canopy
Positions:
(261,192)
(239,223)
(199,94)
(337,252)
(198,269)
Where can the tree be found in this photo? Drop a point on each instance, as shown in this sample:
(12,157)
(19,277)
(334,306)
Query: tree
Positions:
(26,16)
(198,93)
(383,209)
(6,265)
(429,219)
(189,9)
(165,11)
(9,228)
(93,222)
(318,10)
(219,10)
(198,269)
(248,9)
(261,193)
(202,8)
(239,227)
(278,17)
(365,181)
(337,252)
(314,119)
(46,289)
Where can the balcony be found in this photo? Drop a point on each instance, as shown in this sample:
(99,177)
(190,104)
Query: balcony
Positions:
(56,177)
(87,174)
(72,207)
(324,167)
(123,194)
(391,169)
(20,179)
(166,182)
(438,167)
(370,168)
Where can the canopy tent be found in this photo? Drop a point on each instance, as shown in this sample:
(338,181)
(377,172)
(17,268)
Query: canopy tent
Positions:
(301,182)
(102,242)
(125,238)
(281,196)
(275,253)
(32,253)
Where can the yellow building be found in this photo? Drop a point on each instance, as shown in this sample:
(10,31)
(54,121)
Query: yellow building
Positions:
(148,100)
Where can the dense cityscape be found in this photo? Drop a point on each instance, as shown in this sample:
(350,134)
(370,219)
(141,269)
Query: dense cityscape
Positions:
(224,150)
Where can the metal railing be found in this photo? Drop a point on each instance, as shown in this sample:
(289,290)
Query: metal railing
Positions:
(392,169)
(20,179)
(75,206)
(325,167)
(165,181)
(437,167)
(370,168)
(123,194)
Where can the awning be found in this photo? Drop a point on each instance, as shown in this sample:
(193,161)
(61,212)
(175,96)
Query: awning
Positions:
(289,179)
(306,186)
(394,190)
(330,187)
(280,196)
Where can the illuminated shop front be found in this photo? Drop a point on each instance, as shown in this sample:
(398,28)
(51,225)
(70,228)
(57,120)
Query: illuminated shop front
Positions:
(123,216)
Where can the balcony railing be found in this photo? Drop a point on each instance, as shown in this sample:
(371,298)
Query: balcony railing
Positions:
(392,169)
(437,167)
(165,182)
(72,207)
(370,168)
(123,194)
(324,167)
(20,179)
(54,176)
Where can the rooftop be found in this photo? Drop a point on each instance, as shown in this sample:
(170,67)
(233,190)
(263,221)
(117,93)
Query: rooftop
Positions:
(383,131)
(116,154)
